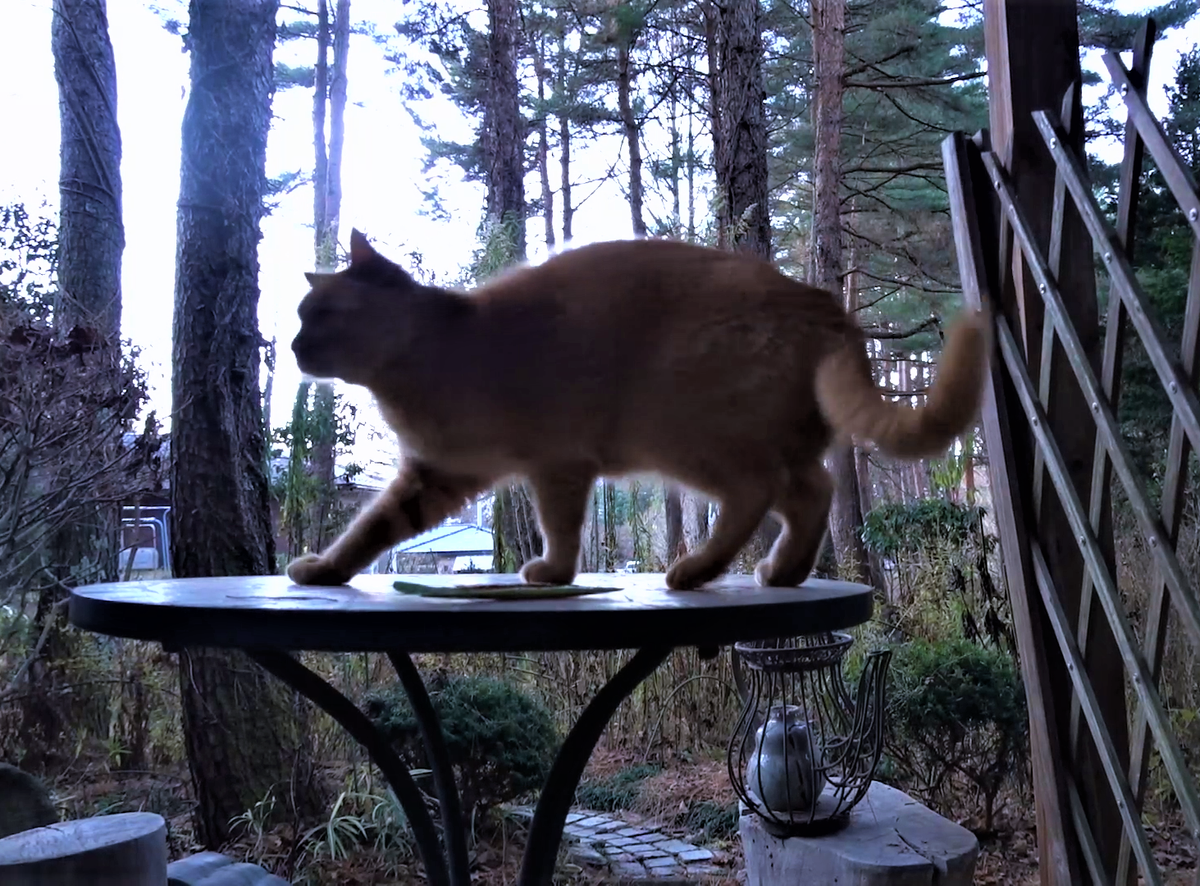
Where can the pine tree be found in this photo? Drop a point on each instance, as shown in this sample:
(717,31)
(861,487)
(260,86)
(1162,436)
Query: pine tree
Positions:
(241,732)
(91,240)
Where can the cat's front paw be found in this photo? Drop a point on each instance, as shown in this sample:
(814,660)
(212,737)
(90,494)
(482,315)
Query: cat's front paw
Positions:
(313,569)
(540,571)
(766,575)
(688,573)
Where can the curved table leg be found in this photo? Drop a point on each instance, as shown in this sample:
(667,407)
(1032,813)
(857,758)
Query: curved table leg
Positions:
(550,815)
(312,687)
(434,739)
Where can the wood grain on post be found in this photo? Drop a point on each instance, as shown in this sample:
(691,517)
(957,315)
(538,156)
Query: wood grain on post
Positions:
(1033,59)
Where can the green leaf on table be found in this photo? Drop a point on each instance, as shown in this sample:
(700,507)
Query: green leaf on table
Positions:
(498,591)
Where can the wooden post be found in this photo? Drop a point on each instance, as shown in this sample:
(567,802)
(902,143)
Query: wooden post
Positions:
(1033,59)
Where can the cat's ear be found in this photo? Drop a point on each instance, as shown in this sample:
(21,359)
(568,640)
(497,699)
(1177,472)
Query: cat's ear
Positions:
(360,250)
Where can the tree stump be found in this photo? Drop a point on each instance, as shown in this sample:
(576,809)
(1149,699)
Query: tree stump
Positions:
(890,840)
(129,849)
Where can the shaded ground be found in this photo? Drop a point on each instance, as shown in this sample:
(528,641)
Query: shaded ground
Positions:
(686,797)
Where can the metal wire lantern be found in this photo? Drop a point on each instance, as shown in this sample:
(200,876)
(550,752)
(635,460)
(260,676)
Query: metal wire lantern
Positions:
(805,749)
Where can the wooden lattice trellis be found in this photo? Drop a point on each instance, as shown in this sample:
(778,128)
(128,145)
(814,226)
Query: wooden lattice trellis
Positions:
(1053,485)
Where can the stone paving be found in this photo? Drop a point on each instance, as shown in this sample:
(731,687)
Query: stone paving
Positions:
(631,852)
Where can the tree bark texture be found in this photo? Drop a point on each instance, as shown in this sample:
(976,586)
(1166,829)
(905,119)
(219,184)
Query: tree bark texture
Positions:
(329,106)
(633,135)
(241,734)
(543,147)
(741,151)
(829,31)
(713,51)
(568,210)
(91,240)
(503,141)
(91,235)
(740,137)
(503,127)
(564,141)
(321,156)
(673,511)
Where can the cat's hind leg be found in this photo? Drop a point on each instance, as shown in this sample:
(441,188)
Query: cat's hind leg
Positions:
(421,496)
(741,510)
(560,497)
(804,506)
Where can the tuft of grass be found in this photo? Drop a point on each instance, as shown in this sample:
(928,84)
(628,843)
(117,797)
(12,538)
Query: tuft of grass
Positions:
(714,821)
(618,791)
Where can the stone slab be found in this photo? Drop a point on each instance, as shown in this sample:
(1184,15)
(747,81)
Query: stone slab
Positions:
(890,840)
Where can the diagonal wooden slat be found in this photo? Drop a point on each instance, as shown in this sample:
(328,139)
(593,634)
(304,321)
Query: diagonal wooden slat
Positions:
(1100,503)
(1091,711)
(1124,282)
(1087,840)
(973,225)
(1173,499)
(1139,672)
(1106,423)
(1054,263)
(1175,172)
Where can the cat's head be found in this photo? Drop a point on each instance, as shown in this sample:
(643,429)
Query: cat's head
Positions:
(353,320)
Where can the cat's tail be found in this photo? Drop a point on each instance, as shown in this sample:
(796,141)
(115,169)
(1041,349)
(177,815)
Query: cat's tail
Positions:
(854,406)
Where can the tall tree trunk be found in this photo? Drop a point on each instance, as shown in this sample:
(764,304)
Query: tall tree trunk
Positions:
(503,142)
(633,135)
(329,106)
(543,148)
(240,730)
(568,210)
(91,235)
(673,513)
(691,178)
(741,157)
(741,160)
(91,240)
(828,19)
(338,82)
(676,167)
(862,464)
(503,129)
(919,381)
(564,141)
(712,14)
(321,155)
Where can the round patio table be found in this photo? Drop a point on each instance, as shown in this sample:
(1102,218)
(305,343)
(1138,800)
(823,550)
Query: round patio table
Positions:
(269,617)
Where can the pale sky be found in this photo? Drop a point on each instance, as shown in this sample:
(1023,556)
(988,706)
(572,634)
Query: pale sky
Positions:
(383,158)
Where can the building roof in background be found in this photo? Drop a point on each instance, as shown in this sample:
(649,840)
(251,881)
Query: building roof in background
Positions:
(449,538)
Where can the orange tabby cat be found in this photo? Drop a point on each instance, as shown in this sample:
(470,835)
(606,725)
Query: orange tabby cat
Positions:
(709,367)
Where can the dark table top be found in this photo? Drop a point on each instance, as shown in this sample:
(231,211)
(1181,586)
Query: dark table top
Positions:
(371,615)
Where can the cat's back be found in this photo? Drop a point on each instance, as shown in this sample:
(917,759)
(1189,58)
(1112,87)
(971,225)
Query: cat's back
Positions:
(648,282)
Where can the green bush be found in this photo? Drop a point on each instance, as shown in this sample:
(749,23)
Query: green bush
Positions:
(501,740)
(956,712)
(895,528)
